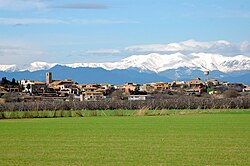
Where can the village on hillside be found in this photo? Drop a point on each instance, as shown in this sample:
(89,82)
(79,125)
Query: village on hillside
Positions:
(68,90)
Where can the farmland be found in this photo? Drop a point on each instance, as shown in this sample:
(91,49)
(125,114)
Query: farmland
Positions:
(221,138)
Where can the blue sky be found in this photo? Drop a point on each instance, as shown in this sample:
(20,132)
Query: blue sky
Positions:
(67,31)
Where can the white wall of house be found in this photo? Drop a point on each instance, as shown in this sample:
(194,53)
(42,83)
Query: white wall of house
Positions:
(246,90)
(25,84)
(137,97)
(92,97)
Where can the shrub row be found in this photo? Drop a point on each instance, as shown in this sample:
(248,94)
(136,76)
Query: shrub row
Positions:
(174,103)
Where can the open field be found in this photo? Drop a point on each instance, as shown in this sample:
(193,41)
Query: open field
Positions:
(221,138)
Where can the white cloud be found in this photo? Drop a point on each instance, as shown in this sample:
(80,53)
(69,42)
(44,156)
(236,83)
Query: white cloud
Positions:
(18,52)
(21,4)
(27,21)
(81,6)
(23,52)
(192,46)
(103,51)
(245,46)
(100,21)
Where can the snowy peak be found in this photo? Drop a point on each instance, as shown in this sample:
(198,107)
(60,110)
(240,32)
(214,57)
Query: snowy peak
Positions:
(41,66)
(222,63)
(38,66)
(156,62)
(9,68)
(201,61)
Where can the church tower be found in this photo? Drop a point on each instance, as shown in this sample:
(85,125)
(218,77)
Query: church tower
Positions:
(48,78)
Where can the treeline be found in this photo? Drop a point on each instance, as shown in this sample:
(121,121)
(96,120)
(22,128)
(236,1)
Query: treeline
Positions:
(175,103)
(5,82)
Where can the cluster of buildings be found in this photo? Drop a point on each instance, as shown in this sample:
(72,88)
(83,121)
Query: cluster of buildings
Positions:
(69,90)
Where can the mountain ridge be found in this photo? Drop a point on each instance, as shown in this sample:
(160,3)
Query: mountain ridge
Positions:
(87,75)
(120,76)
(141,68)
(154,62)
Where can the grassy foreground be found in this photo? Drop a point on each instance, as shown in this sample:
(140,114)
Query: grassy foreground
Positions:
(194,139)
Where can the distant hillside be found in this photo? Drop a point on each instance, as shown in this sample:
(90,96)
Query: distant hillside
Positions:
(88,75)
(117,76)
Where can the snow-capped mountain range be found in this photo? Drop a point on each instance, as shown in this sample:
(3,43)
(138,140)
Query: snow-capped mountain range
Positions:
(155,62)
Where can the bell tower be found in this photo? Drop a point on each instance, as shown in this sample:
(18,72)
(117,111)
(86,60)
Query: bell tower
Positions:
(48,78)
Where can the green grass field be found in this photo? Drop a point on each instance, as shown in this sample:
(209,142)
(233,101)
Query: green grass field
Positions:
(195,139)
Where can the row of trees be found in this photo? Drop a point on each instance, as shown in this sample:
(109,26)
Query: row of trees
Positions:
(9,83)
(175,103)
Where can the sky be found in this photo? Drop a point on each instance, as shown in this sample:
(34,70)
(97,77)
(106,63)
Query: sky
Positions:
(69,31)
